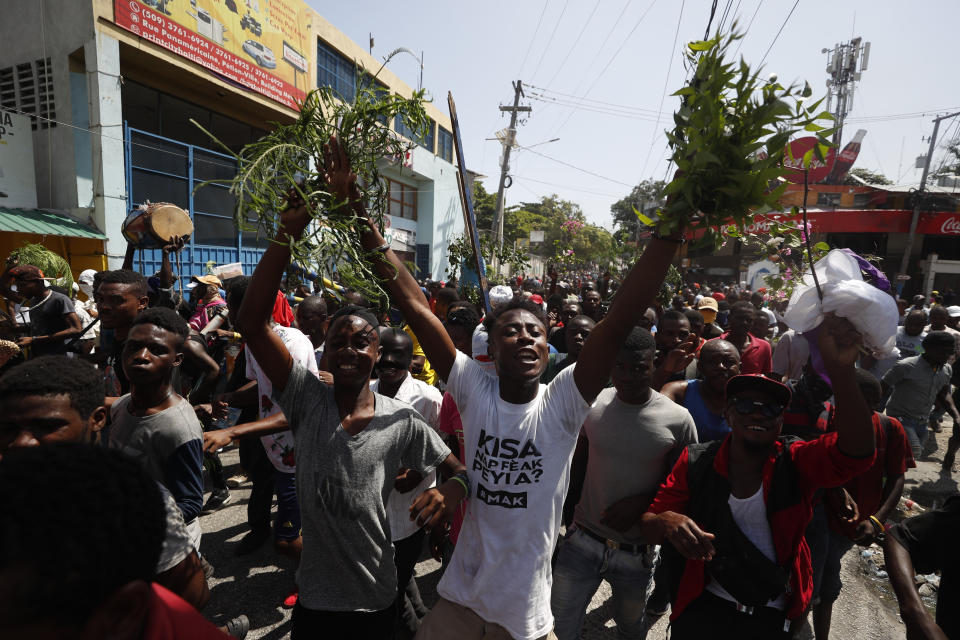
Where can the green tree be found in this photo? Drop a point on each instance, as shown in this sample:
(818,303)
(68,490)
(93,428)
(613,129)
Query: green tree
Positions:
(868,176)
(646,194)
(484,205)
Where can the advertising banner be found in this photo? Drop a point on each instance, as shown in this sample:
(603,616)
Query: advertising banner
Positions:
(18,185)
(263,45)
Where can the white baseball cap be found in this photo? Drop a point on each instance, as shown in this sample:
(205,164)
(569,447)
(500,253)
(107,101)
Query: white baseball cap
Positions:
(500,295)
(954,311)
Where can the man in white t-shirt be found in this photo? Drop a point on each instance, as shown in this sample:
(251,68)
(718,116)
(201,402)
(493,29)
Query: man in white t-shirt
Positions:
(519,437)
(395,381)
(629,442)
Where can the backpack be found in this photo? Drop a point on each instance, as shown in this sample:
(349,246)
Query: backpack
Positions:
(738,566)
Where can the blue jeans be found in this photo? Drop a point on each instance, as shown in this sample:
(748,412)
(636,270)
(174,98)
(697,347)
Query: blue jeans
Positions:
(916,433)
(581,565)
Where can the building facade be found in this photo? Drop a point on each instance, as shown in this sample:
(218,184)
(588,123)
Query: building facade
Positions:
(116,88)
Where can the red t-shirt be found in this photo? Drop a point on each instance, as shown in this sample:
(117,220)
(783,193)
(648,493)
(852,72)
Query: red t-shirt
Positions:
(894,457)
(450,423)
(172,618)
(757,357)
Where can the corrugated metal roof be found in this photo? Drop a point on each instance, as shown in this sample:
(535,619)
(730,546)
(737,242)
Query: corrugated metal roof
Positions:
(49,223)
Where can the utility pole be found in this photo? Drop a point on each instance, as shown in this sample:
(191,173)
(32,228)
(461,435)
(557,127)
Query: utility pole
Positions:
(918,200)
(845,63)
(508,141)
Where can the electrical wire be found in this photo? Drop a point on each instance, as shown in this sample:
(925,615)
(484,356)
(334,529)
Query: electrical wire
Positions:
(543,12)
(747,30)
(593,109)
(564,186)
(596,55)
(792,9)
(104,136)
(567,164)
(550,39)
(666,83)
(550,93)
(574,45)
(713,11)
(616,53)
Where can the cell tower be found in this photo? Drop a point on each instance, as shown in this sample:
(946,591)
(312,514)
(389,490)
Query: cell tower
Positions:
(845,62)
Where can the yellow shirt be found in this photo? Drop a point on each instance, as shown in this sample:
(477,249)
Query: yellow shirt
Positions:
(428,375)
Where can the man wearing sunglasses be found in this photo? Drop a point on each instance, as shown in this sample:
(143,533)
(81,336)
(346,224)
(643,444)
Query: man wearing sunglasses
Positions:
(735,510)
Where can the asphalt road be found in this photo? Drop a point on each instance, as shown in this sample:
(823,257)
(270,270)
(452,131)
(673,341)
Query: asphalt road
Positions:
(256,585)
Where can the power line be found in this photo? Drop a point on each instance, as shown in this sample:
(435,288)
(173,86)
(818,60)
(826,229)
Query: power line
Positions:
(779,32)
(123,140)
(574,45)
(577,100)
(550,39)
(614,56)
(666,83)
(749,24)
(567,164)
(633,115)
(543,12)
(596,55)
(564,186)
(713,11)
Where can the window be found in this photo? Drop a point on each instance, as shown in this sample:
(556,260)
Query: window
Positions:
(445,144)
(828,199)
(379,89)
(424,141)
(336,72)
(28,87)
(150,111)
(402,200)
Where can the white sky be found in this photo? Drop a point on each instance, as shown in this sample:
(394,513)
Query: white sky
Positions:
(619,53)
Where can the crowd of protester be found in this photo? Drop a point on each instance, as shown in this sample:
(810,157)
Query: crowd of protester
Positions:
(577,431)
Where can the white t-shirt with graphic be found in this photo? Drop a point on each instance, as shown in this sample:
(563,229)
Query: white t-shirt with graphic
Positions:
(279,446)
(518,459)
(426,400)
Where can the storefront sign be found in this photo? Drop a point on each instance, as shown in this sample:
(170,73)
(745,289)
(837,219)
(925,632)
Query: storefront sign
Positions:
(18,185)
(242,40)
(862,221)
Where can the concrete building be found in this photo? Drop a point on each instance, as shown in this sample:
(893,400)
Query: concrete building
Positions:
(112,86)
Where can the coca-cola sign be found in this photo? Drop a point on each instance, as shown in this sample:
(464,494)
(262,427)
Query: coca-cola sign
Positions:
(794,160)
(951,226)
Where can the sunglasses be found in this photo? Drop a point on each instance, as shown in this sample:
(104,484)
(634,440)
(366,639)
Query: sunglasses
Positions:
(746,407)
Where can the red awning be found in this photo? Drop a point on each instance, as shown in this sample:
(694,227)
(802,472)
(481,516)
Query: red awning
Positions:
(946,223)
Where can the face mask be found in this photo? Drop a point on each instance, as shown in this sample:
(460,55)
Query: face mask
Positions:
(87,289)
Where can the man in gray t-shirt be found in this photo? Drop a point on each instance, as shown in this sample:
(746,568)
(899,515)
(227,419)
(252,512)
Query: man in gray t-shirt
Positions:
(631,438)
(343,483)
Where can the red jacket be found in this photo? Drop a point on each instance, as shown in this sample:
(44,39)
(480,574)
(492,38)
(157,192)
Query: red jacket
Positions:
(818,463)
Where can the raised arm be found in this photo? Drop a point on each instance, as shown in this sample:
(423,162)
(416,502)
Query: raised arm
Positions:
(253,319)
(839,345)
(404,291)
(633,297)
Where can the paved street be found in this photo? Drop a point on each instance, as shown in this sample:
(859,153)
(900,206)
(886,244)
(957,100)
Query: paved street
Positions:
(256,584)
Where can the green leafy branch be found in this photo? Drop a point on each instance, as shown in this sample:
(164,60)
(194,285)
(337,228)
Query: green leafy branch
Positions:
(729,140)
(290,158)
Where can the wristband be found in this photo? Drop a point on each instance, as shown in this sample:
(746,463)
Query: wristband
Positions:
(876,522)
(464,481)
(381,249)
